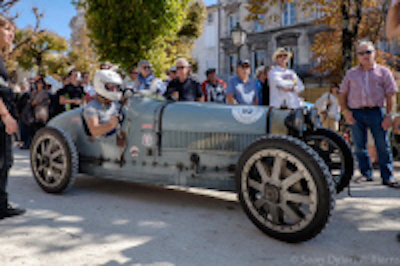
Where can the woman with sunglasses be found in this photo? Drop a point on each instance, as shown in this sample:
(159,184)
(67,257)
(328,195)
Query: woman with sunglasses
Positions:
(8,125)
(146,79)
(285,85)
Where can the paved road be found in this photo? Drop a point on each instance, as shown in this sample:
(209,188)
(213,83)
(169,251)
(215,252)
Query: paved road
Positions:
(105,222)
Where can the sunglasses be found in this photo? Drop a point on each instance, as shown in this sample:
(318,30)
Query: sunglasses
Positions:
(180,67)
(245,66)
(147,67)
(134,73)
(365,52)
(282,55)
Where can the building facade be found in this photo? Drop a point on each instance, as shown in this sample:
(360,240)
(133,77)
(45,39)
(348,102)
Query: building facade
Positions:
(293,30)
(206,52)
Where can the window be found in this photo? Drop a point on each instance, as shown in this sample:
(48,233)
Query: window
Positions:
(259,23)
(258,59)
(210,18)
(233,20)
(232,64)
(318,13)
(210,40)
(288,14)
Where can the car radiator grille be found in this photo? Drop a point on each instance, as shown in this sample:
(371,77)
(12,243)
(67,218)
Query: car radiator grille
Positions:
(207,141)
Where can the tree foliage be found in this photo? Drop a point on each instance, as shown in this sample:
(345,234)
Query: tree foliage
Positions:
(129,30)
(35,52)
(346,23)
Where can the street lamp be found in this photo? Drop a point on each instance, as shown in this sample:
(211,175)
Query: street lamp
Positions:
(239,37)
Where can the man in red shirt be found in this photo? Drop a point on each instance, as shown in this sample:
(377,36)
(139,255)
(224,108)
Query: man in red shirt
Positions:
(213,88)
(367,100)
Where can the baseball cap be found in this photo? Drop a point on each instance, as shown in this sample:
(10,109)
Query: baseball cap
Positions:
(210,70)
(243,62)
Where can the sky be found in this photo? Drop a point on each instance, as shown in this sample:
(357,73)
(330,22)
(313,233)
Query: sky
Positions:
(57,14)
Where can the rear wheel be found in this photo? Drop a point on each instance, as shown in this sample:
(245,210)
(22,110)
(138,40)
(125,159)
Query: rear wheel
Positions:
(336,153)
(285,188)
(54,159)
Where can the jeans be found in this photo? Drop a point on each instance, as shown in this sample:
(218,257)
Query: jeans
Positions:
(26,134)
(6,163)
(372,118)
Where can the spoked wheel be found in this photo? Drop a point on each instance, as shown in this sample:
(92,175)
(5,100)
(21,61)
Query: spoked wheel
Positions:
(285,188)
(54,159)
(395,142)
(336,153)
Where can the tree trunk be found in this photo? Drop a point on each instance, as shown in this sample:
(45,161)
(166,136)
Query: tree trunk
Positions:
(350,26)
(39,63)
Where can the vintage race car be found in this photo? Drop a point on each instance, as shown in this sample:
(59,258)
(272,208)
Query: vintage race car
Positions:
(285,169)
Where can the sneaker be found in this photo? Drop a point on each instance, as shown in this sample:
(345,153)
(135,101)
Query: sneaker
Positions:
(10,211)
(392,184)
(363,178)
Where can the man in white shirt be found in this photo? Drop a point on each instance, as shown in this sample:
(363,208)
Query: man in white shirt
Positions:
(284,83)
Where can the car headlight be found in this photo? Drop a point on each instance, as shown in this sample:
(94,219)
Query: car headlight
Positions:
(295,121)
(312,119)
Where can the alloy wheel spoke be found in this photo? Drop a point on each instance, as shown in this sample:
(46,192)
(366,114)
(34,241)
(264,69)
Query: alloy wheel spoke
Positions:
(56,154)
(49,147)
(298,198)
(292,179)
(47,177)
(42,148)
(58,166)
(274,211)
(261,170)
(276,169)
(254,184)
(56,176)
(40,168)
(260,203)
(290,212)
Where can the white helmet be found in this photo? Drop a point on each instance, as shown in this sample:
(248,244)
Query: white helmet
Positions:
(104,77)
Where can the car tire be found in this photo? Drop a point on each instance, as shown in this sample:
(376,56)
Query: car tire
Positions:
(336,154)
(54,159)
(285,188)
(395,145)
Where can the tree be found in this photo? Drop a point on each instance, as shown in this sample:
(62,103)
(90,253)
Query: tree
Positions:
(347,21)
(182,44)
(82,54)
(129,30)
(5,9)
(5,6)
(34,52)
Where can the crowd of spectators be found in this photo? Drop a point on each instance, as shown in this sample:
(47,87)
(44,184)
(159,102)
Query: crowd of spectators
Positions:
(37,103)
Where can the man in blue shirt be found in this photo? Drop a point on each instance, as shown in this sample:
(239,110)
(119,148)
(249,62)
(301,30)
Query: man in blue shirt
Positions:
(242,89)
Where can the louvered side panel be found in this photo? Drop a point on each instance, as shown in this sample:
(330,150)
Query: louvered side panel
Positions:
(207,141)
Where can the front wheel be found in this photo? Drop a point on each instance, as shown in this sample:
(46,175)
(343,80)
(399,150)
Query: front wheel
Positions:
(336,153)
(285,188)
(54,159)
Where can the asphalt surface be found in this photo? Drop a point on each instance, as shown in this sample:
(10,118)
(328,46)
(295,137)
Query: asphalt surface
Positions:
(106,222)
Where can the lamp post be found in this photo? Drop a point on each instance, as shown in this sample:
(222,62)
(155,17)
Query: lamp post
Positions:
(239,37)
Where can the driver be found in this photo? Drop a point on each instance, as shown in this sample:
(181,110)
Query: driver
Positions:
(101,114)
